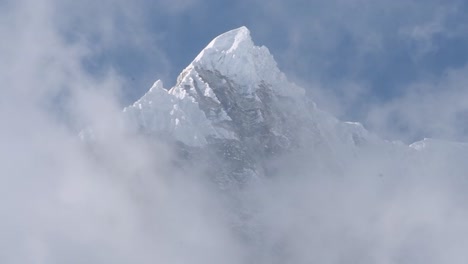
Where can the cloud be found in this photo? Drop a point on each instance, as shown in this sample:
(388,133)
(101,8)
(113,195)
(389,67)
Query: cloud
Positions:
(433,108)
(360,53)
(120,200)
(119,37)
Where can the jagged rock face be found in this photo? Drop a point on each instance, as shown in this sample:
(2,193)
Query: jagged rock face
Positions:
(233,103)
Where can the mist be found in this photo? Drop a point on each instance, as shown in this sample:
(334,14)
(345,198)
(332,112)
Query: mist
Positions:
(120,198)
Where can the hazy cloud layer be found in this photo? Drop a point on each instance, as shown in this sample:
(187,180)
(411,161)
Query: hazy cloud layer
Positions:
(434,108)
(61,202)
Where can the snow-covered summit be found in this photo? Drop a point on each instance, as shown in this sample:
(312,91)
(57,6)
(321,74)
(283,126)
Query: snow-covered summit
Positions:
(229,42)
(234,101)
(232,90)
(233,98)
(234,56)
(227,92)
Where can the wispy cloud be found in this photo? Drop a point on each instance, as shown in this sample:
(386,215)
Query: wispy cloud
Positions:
(352,55)
(433,108)
(60,203)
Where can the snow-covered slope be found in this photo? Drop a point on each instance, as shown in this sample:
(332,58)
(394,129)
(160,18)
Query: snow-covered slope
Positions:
(233,101)
(234,98)
(228,75)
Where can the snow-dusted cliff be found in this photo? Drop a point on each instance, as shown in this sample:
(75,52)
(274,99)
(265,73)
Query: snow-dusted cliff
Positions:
(233,98)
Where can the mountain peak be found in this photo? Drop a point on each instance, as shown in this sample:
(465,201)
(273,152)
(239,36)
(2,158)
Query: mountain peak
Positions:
(229,92)
(228,42)
(234,56)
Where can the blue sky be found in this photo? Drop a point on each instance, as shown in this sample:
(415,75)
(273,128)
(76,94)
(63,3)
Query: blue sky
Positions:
(361,60)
